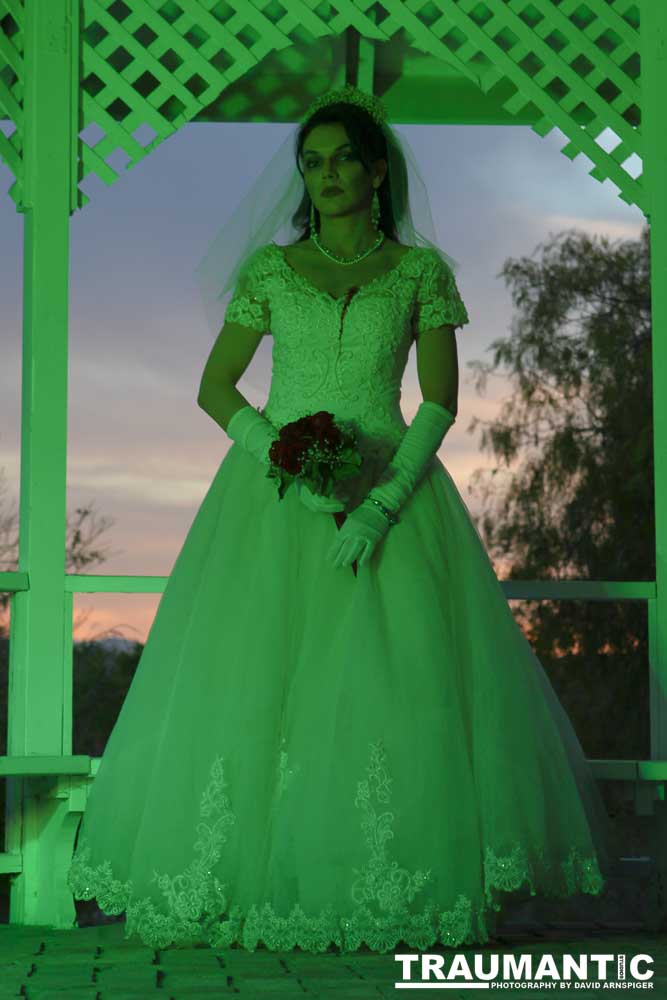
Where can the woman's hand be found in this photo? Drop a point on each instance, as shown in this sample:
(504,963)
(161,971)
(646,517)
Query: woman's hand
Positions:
(363,528)
(315,501)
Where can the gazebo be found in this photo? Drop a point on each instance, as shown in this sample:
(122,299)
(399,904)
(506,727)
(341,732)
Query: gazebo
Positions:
(594,69)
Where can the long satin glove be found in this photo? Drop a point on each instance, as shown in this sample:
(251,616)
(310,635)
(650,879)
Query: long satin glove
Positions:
(253,432)
(316,501)
(363,529)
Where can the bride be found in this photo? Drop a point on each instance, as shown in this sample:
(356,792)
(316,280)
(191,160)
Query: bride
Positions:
(337,733)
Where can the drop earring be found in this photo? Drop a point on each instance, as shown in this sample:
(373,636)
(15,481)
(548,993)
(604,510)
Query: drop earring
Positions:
(312,218)
(375,210)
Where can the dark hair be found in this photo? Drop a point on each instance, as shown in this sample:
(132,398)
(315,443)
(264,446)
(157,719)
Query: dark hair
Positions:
(369,144)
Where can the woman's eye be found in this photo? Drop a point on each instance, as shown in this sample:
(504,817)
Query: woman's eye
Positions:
(313,163)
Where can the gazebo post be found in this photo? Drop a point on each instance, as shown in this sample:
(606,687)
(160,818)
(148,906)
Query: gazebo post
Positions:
(38,685)
(653,54)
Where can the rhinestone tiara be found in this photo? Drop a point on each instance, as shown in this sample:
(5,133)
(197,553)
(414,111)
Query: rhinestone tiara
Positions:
(350,95)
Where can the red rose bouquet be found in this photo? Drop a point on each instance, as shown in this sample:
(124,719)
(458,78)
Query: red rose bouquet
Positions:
(318,451)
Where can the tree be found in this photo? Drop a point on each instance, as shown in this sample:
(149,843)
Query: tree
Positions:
(82,532)
(580,503)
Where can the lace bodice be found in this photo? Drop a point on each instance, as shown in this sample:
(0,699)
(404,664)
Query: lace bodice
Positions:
(347,354)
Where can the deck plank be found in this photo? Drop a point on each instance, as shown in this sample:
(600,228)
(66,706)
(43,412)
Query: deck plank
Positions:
(96,963)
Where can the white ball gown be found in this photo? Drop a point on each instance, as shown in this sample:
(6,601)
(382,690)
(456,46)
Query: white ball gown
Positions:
(306,757)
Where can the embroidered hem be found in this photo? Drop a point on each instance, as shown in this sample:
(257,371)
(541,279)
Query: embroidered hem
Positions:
(197,910)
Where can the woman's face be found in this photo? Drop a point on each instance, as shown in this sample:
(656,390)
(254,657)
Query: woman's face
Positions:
(329,160)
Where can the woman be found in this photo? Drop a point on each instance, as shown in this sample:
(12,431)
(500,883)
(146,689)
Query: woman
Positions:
(309,756)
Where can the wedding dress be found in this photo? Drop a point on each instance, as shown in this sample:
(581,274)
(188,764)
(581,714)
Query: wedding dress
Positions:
(306,756)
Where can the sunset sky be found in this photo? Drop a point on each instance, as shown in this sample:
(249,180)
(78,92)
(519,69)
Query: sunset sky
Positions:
(140,449)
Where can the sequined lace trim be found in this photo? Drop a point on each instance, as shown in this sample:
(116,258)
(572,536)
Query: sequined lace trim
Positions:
(438,300)
(195,906)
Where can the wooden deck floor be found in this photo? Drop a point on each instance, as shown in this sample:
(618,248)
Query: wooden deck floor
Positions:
(96,963)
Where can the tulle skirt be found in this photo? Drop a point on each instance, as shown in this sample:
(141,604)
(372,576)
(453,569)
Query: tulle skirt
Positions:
(307,757)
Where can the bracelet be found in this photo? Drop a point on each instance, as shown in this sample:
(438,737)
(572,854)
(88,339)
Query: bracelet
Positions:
(389,514)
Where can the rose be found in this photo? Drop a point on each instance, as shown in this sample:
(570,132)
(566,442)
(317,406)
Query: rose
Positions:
(298,436)
(287,456)
(319,452)
(315,449)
